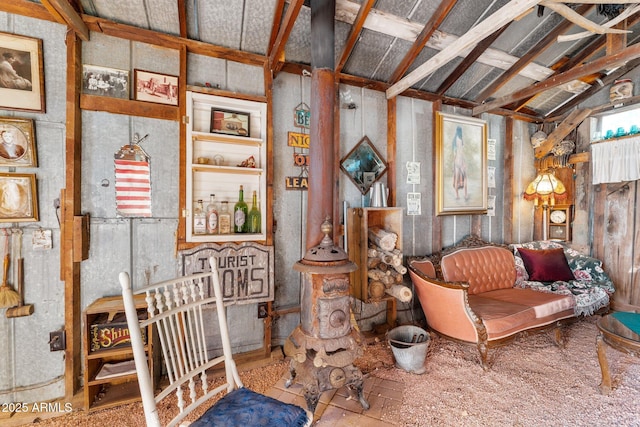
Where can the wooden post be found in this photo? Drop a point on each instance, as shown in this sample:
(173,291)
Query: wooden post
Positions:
(508,184)
(70,203)
(436,226)
(391,150)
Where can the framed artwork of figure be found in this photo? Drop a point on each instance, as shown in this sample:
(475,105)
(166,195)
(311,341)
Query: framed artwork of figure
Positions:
(21,73)
(18,197)
(461,163)
(17,143)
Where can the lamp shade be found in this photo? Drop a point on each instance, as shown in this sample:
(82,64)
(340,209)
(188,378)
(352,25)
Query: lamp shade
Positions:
(546,188)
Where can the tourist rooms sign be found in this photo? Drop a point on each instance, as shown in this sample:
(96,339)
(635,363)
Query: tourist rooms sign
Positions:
(245,270)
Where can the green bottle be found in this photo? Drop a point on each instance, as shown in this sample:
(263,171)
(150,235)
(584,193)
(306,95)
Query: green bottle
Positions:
(254,216)
(240,211)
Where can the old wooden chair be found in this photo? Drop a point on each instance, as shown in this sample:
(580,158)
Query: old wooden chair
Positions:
(176,308)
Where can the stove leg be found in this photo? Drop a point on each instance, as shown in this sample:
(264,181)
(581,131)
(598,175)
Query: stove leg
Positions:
(311,396)
(292,375)
(356,390)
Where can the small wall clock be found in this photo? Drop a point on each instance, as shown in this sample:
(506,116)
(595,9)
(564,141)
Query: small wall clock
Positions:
(559,223)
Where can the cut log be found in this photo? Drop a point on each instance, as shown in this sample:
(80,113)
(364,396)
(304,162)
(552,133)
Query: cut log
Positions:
(376,289)
(400,269)
(386,240)
(400,292)
(373,262)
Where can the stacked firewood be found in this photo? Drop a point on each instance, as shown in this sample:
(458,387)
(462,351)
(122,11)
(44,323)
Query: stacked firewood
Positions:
(384,264)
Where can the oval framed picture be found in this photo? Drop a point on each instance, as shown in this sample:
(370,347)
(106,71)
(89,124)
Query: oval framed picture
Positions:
(17,143)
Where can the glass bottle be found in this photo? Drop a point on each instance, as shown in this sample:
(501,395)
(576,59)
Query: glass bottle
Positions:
(224,218)
(199,219)
(254,216)
(240,211)
(212,216)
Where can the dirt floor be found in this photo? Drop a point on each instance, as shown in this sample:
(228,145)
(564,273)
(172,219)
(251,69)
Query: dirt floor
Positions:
(531,383)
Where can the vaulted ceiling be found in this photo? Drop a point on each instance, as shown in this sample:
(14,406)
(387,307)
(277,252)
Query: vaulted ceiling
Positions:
(531,59)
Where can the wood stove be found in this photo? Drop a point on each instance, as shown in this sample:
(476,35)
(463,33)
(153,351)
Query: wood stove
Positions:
(323,347)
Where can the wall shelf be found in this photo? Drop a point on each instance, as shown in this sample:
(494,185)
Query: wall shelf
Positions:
(220,174)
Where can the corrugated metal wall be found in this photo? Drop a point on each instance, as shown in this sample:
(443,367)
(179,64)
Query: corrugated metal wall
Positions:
(146,247)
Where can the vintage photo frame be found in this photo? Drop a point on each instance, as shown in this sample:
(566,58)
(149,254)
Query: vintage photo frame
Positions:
(363,165)
(17,143)
(156,87)
(22,88)
(105,81)
(461,165)
(18,197)
(230,122)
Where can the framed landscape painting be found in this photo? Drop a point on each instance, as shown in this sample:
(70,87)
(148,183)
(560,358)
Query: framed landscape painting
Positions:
(461,165)
(21,73)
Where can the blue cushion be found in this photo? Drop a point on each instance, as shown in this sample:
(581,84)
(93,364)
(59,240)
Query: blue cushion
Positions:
(246,408)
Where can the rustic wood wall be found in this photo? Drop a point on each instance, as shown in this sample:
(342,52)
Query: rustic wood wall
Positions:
(616,237)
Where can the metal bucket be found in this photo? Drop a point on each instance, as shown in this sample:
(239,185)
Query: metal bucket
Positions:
(409,345)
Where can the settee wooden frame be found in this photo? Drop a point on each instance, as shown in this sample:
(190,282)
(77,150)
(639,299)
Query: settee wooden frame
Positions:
(482,342)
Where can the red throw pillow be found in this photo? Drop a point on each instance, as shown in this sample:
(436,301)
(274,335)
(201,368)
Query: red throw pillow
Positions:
(546,265)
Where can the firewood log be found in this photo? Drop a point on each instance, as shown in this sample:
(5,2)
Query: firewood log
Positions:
(400,269)
(376,289)
(400,292)
(384,239)
(373,262)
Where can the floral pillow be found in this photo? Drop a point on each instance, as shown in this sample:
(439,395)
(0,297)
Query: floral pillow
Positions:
(586,269)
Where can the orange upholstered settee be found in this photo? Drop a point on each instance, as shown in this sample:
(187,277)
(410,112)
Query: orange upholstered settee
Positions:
(478,303)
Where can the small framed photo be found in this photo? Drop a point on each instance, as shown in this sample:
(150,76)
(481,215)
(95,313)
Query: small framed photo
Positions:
(18,197)
(17,143)
(154,87)
(22,73)
(229,122)
(103,81)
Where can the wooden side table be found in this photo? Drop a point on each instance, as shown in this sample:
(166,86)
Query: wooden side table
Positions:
(613,332)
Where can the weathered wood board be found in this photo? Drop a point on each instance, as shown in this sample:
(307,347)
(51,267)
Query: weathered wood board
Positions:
(246,270)
(619,235)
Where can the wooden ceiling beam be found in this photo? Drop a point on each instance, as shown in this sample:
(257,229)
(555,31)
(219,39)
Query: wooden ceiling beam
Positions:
(26,8)
(541,46)
(430,27)
(588,51)
(275,25)
(356,29)
(610,61)
(64,13)
(182,18)
(604,83)
(502,16)
(276,55)
(394,26)
(568,124)
(469,60)
(172,42)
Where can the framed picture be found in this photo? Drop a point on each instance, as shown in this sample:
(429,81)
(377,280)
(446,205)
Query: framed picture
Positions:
(21,73)
(230,122)
(103,81)
(363,165)
(17,143)
(461,165)
(154,87)
(18,197)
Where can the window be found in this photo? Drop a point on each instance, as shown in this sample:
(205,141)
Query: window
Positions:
(618,124)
